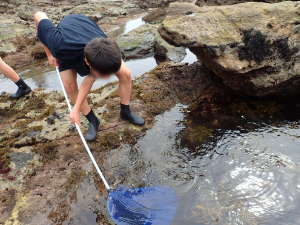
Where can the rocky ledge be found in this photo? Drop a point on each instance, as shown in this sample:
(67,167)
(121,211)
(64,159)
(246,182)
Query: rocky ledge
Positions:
(43,164)
(253,47)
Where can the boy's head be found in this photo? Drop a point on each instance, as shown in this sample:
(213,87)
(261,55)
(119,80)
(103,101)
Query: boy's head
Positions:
(104,57)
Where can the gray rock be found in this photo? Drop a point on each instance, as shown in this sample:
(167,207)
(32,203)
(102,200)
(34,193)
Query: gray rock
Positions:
(145,41)
(253,47)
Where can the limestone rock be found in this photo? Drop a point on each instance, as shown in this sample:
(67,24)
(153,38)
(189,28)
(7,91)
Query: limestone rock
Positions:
(145,41)
(229,2)
(166,52)
(139,42)
(174,9)
(253,47)
(157,3)
(9,31)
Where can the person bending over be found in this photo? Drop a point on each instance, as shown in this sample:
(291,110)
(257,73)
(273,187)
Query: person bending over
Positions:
(77,45)
(23,88)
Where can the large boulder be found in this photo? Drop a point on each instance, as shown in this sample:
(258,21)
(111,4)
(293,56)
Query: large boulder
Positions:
(157,3)
(175,9)
(253,47)
(230,2)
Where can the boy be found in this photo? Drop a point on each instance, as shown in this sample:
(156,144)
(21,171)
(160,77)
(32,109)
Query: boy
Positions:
(23,88)
(78,46)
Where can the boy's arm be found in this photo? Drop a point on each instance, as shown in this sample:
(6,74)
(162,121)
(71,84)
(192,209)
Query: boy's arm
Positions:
(81,97)
(51,59)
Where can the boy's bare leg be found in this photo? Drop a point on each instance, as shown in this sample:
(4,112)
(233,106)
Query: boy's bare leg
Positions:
(23,88)
(69,78)
(8,71)
(125,89)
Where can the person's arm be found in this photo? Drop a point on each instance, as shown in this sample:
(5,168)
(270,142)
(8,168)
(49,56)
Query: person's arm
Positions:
(125,84)
(81,97)
(51,59)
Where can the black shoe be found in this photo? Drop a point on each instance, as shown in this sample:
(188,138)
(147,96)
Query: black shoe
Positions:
(133,118)
(23,89)
(94,124)
(21,92)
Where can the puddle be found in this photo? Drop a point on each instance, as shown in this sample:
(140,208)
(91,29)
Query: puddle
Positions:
(190,57)
(85,207)
(47,78)
(133,24)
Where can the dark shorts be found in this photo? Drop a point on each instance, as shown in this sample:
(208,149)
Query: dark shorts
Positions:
(82,70)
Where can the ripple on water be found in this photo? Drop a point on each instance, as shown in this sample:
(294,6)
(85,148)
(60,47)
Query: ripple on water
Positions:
(248,178)
(253,181)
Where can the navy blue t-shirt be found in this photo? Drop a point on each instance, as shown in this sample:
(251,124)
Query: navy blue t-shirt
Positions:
(67,40)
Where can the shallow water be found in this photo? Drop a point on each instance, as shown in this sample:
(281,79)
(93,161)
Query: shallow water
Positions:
(46,77)
(238,177)
(133,24)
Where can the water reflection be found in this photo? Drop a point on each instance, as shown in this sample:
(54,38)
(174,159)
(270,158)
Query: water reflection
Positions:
(246,177)
(133,24)
(190,57)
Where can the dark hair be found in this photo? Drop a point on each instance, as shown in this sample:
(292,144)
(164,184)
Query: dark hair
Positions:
(104,55)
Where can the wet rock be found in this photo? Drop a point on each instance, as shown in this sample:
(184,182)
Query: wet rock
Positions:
(138,43)
(229,2)
(38,52)
(8,201)
(25,12)
(251,46)
(157,3)
(175,9)
(145,41)
(92,10)
(155,16)
(9,31)
(166,52)
(20,159)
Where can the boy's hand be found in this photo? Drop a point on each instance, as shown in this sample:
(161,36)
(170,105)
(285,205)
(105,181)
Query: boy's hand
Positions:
(75,116)
(52,61)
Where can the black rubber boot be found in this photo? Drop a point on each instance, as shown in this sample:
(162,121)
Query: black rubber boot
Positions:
(23,89)
(94,124)
(127,115)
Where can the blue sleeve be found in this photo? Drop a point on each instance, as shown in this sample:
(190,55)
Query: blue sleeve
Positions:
(45,28)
